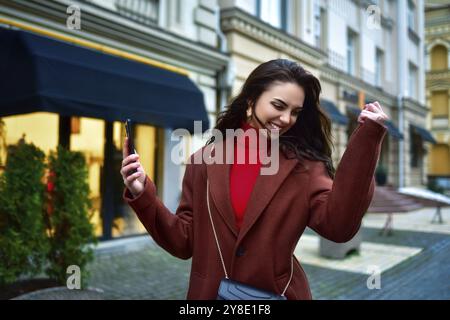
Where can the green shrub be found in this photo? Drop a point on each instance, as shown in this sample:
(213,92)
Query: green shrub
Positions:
(23,239)
(70,227)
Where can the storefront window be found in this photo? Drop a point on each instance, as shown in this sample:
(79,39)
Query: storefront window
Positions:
(87,135)
(416,149)
(40,128)
(91,141)
(125,221)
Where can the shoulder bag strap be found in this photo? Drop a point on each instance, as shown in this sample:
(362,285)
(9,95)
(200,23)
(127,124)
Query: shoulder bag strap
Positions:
(218,245)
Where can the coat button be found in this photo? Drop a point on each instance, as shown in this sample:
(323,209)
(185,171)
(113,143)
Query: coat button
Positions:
(240,251)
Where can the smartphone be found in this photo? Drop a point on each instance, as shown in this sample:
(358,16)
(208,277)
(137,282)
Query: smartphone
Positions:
(131,149)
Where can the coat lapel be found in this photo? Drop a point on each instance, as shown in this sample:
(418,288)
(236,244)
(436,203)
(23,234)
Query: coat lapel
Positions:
(265,188)
(263,192)
(219,183)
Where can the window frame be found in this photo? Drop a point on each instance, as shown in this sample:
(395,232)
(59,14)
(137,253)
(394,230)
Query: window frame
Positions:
(281,5)
(379,67)
(351,52)
(411,15)
(412,80)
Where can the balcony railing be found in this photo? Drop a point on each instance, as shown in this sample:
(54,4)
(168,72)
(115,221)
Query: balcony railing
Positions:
(368,76)
(143,11)
(439,122)
(438,74)
(336,60)
(339,62)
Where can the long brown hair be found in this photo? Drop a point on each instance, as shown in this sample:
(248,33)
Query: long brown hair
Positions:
(310,136)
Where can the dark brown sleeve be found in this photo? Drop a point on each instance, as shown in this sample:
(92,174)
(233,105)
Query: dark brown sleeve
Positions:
(337,206)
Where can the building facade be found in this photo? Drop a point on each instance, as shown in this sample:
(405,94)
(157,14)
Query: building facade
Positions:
(178,36)
(437,50)
(361,51)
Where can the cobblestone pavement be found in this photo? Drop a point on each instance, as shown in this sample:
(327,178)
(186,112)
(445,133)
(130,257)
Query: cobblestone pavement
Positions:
(147,272)
(423,276)
(62,293)
(141,270)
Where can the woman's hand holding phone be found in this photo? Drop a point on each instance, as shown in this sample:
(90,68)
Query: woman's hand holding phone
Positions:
(135,182)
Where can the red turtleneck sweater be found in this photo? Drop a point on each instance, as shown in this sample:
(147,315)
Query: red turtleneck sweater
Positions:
(242,178)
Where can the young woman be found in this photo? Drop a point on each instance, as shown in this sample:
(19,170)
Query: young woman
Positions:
(258,219)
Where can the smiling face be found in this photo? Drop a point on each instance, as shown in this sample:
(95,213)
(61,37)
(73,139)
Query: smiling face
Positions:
(278,107)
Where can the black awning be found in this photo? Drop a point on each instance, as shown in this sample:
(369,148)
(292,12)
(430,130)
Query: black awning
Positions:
(333,112)
(42,74)
(424,133)
(391,127)
(393,130)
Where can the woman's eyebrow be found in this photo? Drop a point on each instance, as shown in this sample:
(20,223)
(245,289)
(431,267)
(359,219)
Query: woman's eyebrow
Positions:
(285,104)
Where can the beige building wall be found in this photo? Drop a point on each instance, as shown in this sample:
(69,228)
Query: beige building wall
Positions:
(437,31)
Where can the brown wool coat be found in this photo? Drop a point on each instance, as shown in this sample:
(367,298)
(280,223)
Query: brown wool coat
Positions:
(280,208)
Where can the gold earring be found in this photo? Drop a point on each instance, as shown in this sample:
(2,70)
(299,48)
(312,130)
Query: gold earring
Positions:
(249,112)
